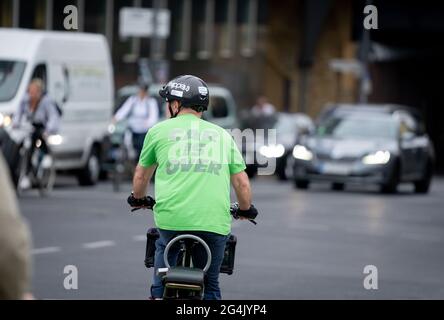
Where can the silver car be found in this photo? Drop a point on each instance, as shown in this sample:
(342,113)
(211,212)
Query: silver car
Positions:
(376,144)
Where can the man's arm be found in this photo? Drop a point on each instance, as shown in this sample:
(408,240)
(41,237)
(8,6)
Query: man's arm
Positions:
(141,180)
(241,185)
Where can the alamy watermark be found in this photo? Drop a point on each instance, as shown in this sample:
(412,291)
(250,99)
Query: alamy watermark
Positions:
(71,21)
(371,18)
(371,279)
(71,280)
(207,149)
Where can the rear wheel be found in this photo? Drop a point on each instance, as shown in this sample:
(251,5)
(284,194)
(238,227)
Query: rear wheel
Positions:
(89,175)
(21,178)
(423,185)
(46,175)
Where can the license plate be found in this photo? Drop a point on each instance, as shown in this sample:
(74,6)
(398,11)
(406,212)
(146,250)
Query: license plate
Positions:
(335,168)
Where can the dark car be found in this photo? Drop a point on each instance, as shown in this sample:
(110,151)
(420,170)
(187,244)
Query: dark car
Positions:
(371,144)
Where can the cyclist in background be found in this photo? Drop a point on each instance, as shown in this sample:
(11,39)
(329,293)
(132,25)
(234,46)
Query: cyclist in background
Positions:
(142,113)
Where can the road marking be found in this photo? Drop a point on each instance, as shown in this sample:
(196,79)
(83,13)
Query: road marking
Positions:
(421,237)
(310,227)
(45,250)
(98,244)
(139,237)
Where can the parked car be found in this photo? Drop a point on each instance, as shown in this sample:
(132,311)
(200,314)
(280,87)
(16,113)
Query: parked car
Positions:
(370,144)
(222,109)
(77,72)
(289,128)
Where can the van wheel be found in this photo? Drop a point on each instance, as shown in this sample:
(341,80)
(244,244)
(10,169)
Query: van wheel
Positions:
(89,175)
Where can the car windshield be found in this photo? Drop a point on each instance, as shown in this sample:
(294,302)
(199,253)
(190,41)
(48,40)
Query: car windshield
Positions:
(361,126)
(11,73)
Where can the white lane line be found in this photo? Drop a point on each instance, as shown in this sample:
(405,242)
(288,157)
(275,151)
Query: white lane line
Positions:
(98,244)
(310,227)
(139,237)
(421,237)
(45,250)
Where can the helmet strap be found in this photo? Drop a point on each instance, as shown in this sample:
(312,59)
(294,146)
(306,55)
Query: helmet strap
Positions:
(174,115)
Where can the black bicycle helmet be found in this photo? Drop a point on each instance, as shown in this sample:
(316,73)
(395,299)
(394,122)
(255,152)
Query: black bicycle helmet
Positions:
(190,91)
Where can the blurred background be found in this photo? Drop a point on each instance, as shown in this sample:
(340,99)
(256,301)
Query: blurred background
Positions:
(349,104)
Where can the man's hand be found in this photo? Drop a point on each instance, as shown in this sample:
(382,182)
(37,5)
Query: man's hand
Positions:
(249,214)
(141,203)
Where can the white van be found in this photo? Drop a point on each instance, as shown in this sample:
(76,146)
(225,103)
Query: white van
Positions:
(78,75)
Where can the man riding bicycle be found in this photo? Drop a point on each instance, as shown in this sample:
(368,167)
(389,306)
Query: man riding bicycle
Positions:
(195,162)
(38,109)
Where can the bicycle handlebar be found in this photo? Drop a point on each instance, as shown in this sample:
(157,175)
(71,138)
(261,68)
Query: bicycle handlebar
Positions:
(148,202)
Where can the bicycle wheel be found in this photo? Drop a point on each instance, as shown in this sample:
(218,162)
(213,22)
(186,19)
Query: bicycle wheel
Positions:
(46,175)
(21,173)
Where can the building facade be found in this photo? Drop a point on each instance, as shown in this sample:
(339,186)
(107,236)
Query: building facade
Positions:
(253,47)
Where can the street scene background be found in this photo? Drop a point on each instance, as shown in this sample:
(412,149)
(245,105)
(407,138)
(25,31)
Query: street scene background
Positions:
(354,206)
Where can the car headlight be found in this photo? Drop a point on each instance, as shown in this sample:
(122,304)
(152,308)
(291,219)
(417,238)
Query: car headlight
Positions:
(5,120)
(302,153)
(272,151)
(378,157)
(55,140)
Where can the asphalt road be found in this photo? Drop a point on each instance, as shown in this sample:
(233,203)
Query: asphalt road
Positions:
(307,245)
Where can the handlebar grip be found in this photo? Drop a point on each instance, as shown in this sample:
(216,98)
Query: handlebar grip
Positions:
(142,203)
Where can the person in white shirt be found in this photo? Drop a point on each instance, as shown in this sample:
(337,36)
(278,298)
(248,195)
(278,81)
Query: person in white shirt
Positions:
(142,113)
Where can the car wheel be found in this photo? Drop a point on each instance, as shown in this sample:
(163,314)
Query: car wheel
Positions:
(391,186)
(89,175)
(301,184)
(281,165)
(423,185)
(337,186)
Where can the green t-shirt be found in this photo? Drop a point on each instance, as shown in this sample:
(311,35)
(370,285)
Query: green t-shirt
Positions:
(195,159)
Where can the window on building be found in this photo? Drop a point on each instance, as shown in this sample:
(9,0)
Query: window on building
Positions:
(226,16)
(182,29)
(5,13)
(204,17)
(95,16)
(248,16)
(31,14)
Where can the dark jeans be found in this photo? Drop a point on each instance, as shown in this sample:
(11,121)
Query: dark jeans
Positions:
(215,241)
(138,139)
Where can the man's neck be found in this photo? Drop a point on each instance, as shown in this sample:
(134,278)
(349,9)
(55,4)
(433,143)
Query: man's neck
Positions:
(190,111)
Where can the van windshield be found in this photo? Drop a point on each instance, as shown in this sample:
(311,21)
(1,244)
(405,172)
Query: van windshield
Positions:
(11,73)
